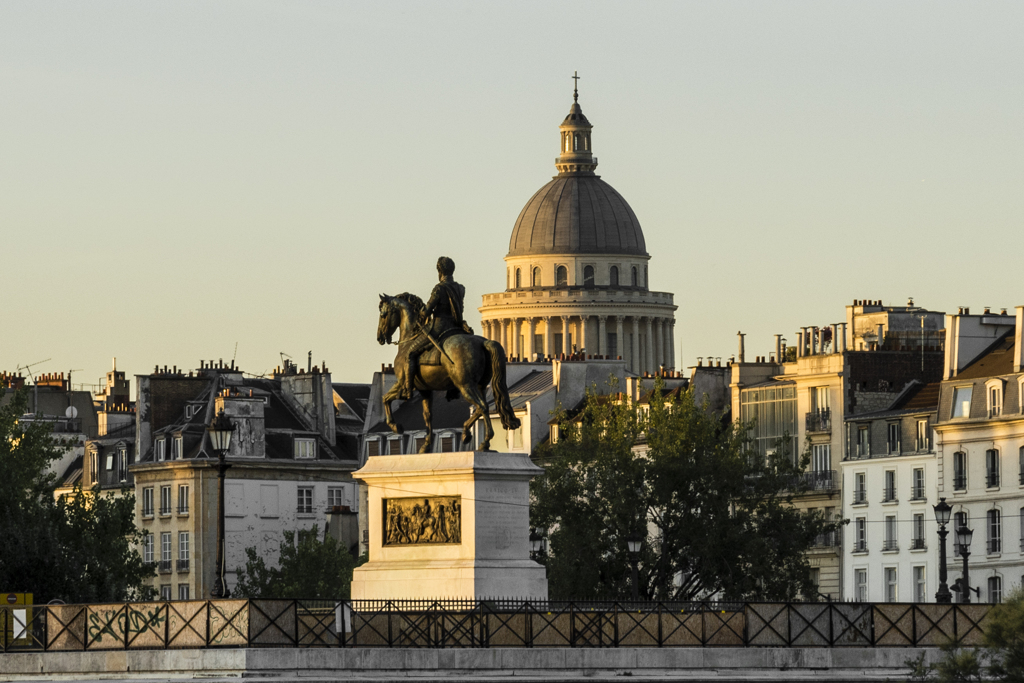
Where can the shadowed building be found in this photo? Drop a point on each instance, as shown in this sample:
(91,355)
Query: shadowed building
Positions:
(577,271)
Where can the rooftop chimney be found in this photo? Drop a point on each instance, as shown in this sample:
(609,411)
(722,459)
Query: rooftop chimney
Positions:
(742,353)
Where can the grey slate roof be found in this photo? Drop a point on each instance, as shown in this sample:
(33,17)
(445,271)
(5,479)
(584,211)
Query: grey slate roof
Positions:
(577,214)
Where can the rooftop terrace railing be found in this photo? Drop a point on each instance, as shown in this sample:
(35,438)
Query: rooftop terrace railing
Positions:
(482,624)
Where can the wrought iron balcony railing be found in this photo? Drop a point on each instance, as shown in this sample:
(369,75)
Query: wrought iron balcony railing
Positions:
(959,482)
(890,545)
(860,497)
(889,494)
(183,565)
(860,546)
(992,479)
(917,493)
(819,421)
(995,545)
(164,567)
(917,544)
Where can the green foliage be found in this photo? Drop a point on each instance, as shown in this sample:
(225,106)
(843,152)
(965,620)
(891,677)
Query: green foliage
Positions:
(958,665)
(313,568)
(717,516)
(80,549)
(1004,637)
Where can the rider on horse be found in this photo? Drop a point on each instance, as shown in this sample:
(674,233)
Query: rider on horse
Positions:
(445,308)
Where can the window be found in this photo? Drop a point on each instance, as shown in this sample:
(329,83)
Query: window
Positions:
(1021,527)
(819,399)
(183,551)
(613,276)
(893,442)
(994,392)
(923,441)
(165,551)
(561,276)
(588,276)
(160,452)
(860,582)
(182,499)
(860,544)
(889,493)
(575,142)
(305,449)
(519,278)
(991,468)
(920,590)
(863,442)
(821,457)
(176,448)
(959,471)
(891,592)
(962,402)
(305,501)
(420,440)
(815,580)
(995,589)
(183,591)
(147,549)
(372,447)
(612,345)
(889,543)
(917,543)
(447,444)
(110,462)
(165,591)
(122,464)
(536,277)
(165,500)
(147,501)
(635,283)
(860,488)
(917,492)
(94,467)
(959,519)
(647,282)
(395,446)
(335,497)
(1020,458)
(995,532)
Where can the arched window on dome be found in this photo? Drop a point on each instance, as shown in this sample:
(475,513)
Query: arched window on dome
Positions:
(634,276)
(647,283)
(535,282)
(613,276)
(588,276)
(576,142)
(519,278)
(586,142)
(561,276)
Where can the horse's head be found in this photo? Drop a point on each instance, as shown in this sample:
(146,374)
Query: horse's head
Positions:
(388,321)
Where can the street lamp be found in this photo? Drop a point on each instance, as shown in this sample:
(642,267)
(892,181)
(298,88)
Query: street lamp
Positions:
(220,439)
(633,542)
(963,538)
(942,512)
(538,543)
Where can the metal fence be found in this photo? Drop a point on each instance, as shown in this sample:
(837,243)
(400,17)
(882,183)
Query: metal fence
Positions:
(480,624)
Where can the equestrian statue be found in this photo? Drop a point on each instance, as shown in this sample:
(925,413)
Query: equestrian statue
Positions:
(437,351)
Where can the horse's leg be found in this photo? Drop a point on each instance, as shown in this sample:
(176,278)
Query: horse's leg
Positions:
(428,443)
(488,427)
(390,396)
(475,397)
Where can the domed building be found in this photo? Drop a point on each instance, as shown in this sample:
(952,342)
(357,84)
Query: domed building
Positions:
(577,276)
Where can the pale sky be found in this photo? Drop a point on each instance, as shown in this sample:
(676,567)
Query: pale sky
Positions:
(177,177)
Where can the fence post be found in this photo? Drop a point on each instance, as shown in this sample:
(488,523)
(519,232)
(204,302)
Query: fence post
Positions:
(391,639)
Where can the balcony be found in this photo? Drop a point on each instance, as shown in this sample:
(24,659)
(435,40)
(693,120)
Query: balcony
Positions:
(164,567)
(860,547)
(860,497)
(890,546)
(183,565)
(959,482)
(917,493)
(165,510)
(889,494)
(147,512)
(183,509)
(820,480)
(995,545)
(819,421)
(918,544)
(829,539)
(992,479)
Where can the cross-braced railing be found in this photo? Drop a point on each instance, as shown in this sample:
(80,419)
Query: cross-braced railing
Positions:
(483,624)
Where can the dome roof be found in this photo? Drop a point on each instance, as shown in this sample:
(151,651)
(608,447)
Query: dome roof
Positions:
(577,214)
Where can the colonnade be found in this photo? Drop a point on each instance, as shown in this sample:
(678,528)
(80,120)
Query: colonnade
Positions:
(646,343)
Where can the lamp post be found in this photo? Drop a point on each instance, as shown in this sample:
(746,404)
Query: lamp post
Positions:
(633,542)
(219,432)
(963,537)
(538,543)
(942,512)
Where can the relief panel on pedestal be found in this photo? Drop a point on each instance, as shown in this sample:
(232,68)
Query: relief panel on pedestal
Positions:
(422,520)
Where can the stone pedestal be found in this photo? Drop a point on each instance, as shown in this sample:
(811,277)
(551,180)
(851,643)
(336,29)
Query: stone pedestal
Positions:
(418,549)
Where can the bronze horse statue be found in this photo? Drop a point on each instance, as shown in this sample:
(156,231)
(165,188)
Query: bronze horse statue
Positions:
(469,363)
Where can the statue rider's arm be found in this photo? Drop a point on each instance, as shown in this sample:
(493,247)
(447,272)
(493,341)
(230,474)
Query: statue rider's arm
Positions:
(435,296)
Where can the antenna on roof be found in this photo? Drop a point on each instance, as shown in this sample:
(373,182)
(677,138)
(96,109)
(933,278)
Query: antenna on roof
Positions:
(235,354)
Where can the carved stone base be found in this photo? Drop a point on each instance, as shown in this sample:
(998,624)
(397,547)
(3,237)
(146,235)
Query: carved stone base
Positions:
(449,525)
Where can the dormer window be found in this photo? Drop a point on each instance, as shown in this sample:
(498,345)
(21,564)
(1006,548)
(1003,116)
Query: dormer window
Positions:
(962,401)
(189,412)
(94,467)
(305,449)
(122,464)
(176,448)
(161,449)
(994,395)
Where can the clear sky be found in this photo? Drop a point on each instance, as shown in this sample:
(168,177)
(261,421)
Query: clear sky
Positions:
(179,177)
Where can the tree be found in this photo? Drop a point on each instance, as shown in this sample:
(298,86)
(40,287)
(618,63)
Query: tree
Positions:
(717,519)
(78,549)
(1004,638)
(312,569)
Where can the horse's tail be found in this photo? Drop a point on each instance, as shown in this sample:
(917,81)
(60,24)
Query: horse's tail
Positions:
(508,417)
